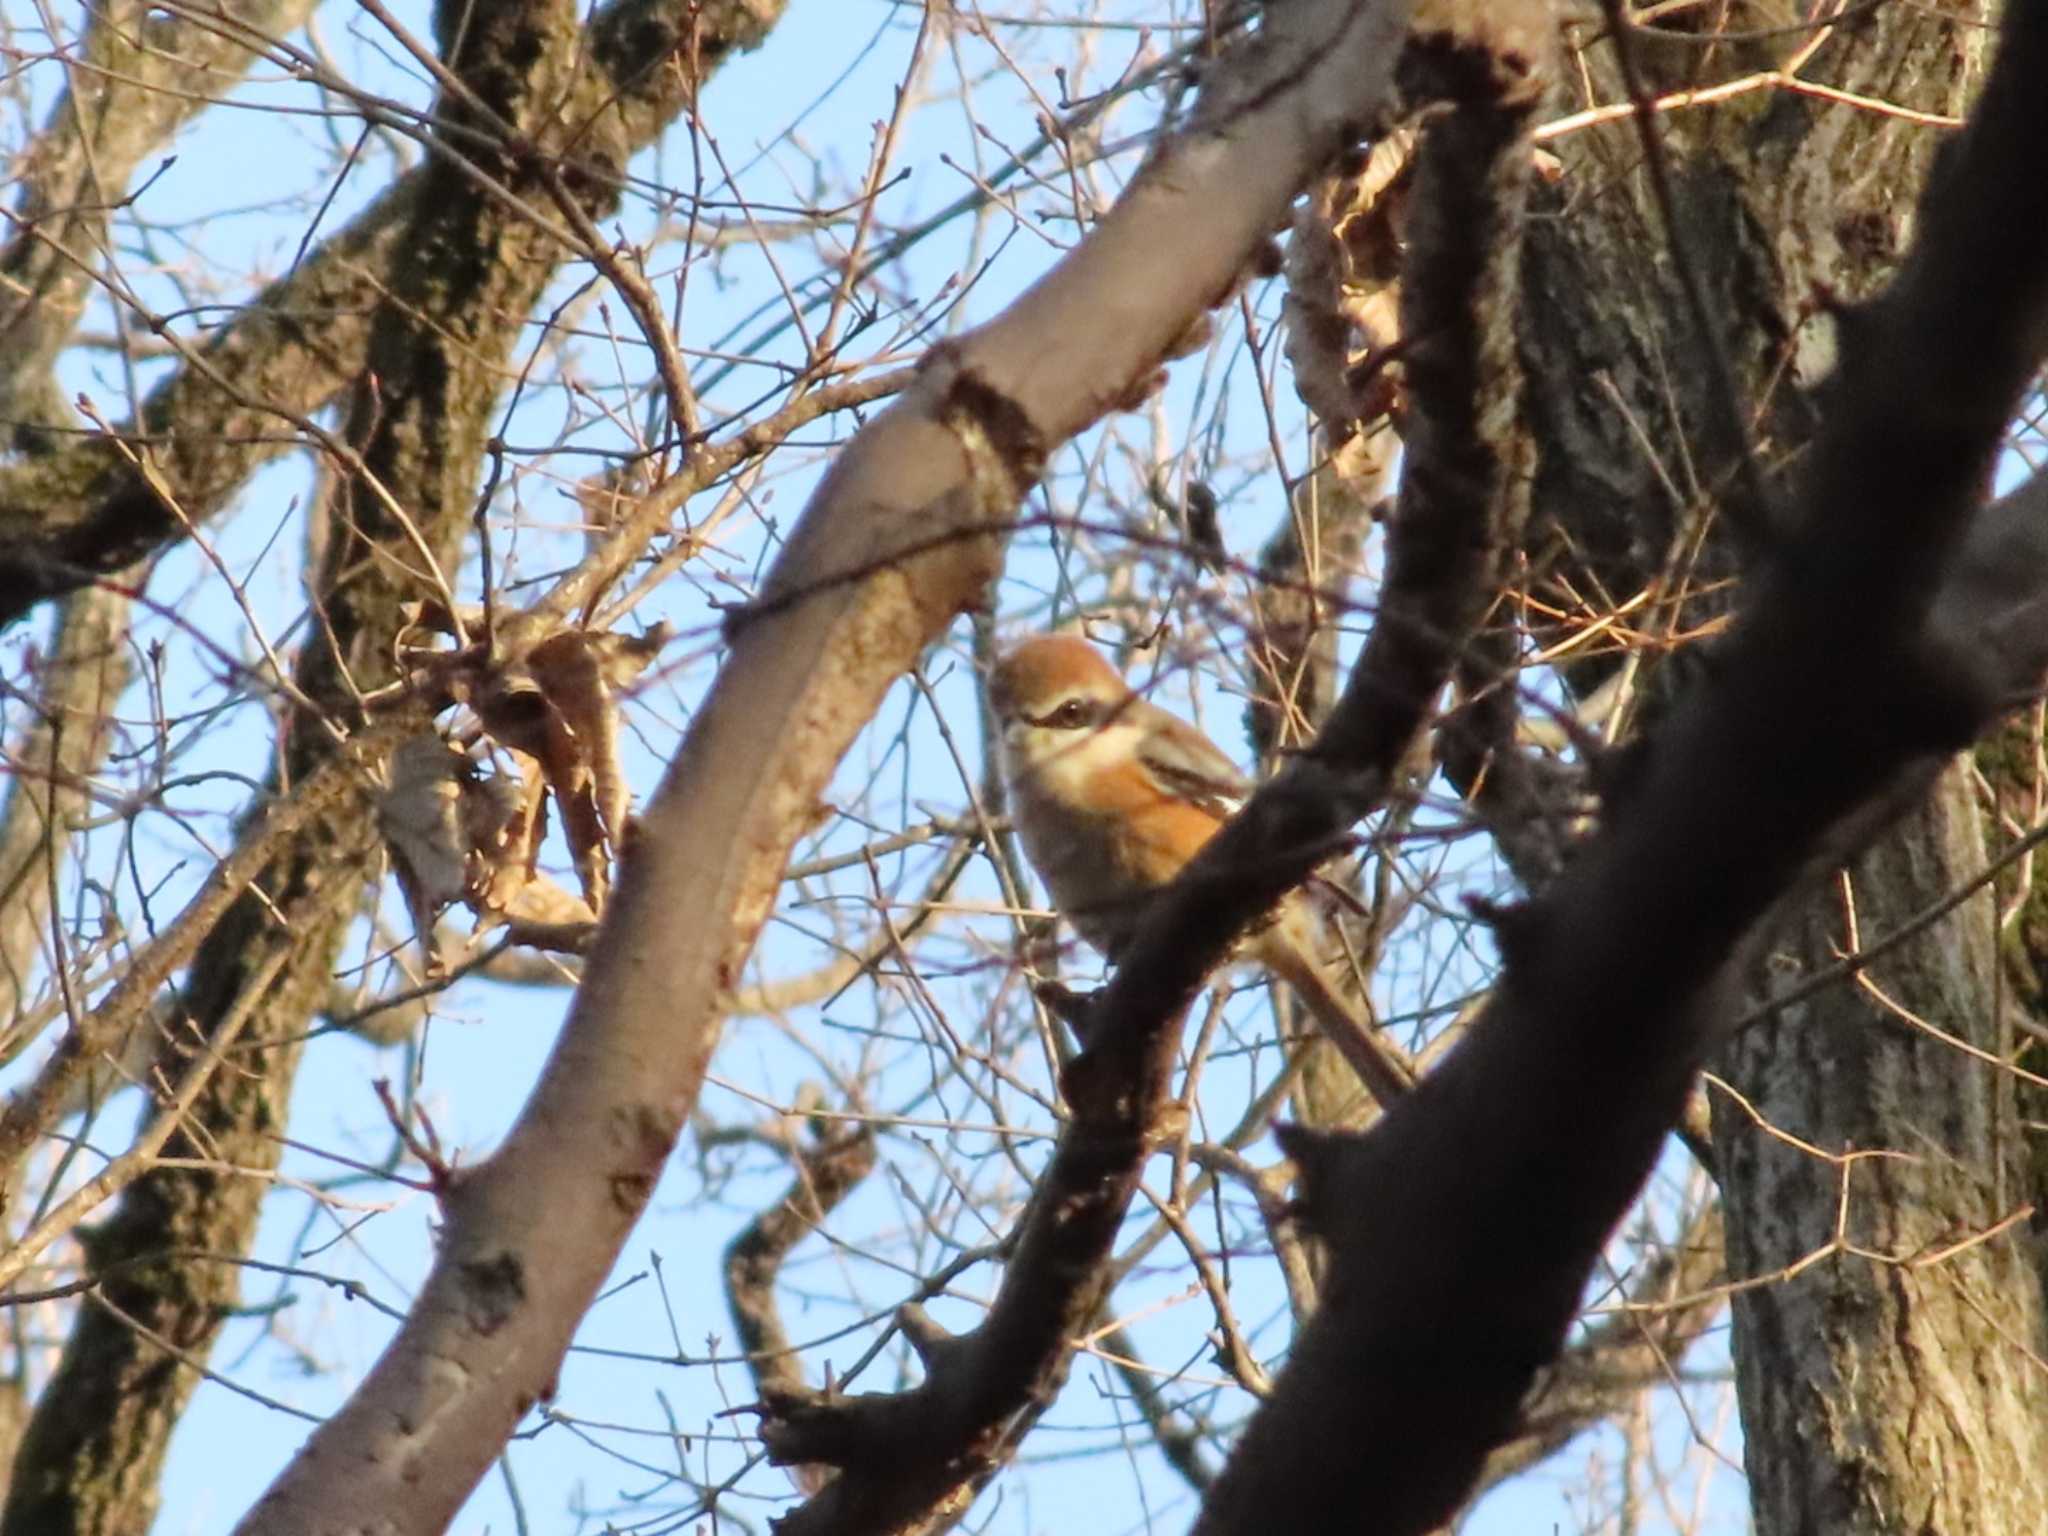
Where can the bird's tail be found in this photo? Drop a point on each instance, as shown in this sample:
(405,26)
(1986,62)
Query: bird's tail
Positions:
(1287,949)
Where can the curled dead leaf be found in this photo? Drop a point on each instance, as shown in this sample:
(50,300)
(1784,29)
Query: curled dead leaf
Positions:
(554,708)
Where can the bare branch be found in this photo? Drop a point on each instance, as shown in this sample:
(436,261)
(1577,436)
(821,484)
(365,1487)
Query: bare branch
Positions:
(134,80)
(902,536)
(50,767)
(1669,1306)
(31,1109)
(1437,586)
(81,512)
(827,1172)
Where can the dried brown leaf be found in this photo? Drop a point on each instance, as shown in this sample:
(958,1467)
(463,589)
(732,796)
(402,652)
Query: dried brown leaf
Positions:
(582,761)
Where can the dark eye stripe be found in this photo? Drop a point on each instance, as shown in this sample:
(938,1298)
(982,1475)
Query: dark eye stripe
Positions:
(1069,715)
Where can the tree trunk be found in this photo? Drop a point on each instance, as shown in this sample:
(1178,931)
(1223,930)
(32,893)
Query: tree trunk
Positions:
(164,1263)
(1876,1395)
(1887,1385)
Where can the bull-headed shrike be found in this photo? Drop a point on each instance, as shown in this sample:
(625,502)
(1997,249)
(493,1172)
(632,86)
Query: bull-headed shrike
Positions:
(1112,796)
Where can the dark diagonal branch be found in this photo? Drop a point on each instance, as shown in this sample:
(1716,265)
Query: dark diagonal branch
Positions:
(904,1453)
(1667,1309)
(1832,692)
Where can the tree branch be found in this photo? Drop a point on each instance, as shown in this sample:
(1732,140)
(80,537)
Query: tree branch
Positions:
(827,1171)
(136,80)
(910,1459)
(902,535)
(87,512)
(51,766)
(1833,689)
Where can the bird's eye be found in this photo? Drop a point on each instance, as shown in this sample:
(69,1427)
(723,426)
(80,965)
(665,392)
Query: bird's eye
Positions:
(1071,715)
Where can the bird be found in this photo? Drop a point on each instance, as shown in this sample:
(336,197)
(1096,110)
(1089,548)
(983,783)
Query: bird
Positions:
(1111,796)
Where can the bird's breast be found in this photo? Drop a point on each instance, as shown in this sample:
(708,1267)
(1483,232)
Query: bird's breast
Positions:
(1102,866)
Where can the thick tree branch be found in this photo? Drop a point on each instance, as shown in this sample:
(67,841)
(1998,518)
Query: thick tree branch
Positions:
(902,536)
(1833,689)
(827,1171)
(911,1459)
(1671,1305)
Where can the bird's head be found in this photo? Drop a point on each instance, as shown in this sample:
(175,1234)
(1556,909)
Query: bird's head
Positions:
(1052,694)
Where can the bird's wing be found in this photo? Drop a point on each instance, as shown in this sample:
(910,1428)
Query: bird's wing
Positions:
(1188,764)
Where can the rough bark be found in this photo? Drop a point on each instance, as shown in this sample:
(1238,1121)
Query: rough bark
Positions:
(1901,1370)
(1777,202)
(1779,199)
(1842,687)
(2014,765)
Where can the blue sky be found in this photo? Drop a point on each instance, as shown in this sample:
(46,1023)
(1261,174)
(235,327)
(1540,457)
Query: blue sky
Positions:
(626,1412)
